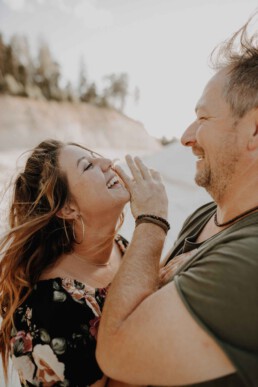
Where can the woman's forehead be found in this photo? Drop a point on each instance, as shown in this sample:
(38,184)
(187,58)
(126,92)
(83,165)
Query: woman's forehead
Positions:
(77,151)
(71,154)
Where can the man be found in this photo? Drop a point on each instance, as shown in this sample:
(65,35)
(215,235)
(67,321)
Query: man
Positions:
(196,321)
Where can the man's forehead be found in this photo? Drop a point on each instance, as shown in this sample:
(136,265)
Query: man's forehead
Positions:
(213,91)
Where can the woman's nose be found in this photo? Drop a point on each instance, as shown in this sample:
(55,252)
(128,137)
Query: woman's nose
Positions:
(105,164)
(189,136)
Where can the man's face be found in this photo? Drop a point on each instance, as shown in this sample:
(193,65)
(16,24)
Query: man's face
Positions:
(214,139)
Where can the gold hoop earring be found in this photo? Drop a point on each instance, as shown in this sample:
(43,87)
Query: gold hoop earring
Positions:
(65,230)
(83,230)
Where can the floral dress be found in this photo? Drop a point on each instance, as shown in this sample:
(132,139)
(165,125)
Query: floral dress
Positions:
(54,335)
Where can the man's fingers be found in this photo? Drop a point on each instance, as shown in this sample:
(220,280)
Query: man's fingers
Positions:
(133,168)
(156,175)
(121,173)
(145,172)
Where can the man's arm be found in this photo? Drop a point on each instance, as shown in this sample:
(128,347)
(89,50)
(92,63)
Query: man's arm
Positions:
(149,337)
(146,335)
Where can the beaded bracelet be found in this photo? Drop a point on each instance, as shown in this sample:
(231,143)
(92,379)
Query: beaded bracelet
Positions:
(158,220)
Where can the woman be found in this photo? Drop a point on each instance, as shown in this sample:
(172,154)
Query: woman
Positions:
(60,255)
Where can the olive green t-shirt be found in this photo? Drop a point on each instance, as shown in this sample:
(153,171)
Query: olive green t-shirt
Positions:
(219,287)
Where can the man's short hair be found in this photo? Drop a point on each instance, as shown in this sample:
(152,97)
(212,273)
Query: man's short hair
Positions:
(239,54)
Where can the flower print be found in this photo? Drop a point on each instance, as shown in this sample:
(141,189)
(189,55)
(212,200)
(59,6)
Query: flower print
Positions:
(44,336)
(50,370)
(78,285)
(13,331)
(28,316)
(59,296)
(121,244)
(92,303)
(24,367)
(94,326)
(28,313)
(21,343)
(101,295)
(58,345)
(102,292)
(75,292)
(56,285)
(81,294)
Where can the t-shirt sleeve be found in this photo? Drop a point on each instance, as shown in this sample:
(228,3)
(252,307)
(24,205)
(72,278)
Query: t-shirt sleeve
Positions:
(220,290)
(54,338)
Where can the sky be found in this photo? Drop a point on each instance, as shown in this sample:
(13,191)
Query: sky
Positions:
(163,46)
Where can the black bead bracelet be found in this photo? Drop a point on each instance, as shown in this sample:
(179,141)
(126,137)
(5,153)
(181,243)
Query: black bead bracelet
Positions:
(158,220)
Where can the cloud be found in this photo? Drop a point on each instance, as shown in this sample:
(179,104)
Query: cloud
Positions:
(60,4)
(15,5)
(21,5)
(92,16)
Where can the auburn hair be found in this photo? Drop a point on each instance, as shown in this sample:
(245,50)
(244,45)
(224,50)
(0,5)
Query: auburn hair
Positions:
(36,236)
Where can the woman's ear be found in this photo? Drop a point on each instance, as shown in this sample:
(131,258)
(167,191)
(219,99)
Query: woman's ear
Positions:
(68,211)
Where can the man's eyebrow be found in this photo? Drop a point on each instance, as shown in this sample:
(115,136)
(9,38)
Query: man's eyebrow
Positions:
(199,106)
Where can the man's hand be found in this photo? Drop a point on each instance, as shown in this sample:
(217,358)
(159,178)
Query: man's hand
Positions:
(148,195)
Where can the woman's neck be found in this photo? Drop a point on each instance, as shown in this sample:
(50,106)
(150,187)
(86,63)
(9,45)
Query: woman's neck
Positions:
(97,244)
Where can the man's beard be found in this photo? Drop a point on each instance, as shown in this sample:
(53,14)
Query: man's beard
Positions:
(217,180)
(203,178)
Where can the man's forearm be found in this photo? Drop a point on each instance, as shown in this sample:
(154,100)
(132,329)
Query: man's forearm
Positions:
(137,278)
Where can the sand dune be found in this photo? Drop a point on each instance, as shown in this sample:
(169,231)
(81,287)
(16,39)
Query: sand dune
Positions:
(25,122)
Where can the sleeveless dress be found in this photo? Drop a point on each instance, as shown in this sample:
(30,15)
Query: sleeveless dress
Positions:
(53,340)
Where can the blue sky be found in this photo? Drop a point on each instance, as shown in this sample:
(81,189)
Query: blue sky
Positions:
(163,45)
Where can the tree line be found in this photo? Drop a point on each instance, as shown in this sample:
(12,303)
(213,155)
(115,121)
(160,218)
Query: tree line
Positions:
(40,77)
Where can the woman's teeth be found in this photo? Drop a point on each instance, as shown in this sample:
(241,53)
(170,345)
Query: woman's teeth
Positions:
(113,181)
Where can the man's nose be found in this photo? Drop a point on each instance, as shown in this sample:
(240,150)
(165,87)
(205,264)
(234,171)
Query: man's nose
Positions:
(189,136)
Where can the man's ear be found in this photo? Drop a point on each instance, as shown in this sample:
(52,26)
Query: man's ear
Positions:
(68,211)
(253,139)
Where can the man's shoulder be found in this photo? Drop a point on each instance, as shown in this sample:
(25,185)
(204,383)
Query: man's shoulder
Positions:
(198,216)
(206,208)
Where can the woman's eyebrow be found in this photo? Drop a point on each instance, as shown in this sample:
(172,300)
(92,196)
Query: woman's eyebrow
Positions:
(80,159)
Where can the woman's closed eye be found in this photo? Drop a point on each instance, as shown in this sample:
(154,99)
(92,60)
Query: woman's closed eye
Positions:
(87,167)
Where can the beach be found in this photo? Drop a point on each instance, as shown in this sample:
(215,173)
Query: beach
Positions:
(177,167)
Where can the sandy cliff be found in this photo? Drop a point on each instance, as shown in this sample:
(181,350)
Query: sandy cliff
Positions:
(24,122)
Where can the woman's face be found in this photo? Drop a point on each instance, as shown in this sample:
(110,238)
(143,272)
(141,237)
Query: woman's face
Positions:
(94,186)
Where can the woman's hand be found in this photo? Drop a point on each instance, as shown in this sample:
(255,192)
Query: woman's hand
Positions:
(148,194)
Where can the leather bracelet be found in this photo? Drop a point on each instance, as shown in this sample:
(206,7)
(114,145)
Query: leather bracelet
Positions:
(158,220)
(154,217)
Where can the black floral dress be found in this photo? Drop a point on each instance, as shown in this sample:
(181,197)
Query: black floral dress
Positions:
(54,335)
